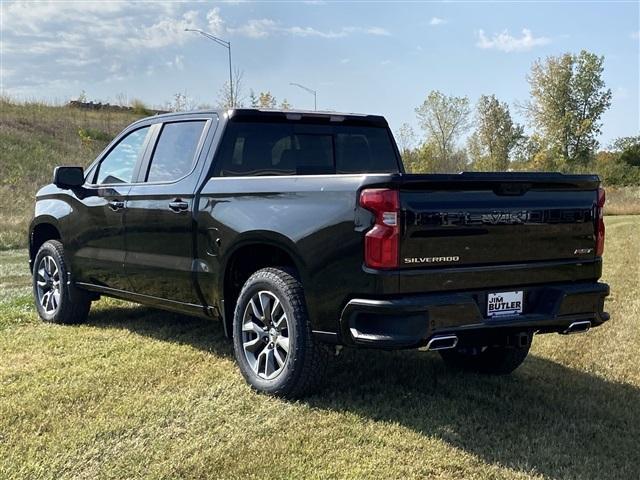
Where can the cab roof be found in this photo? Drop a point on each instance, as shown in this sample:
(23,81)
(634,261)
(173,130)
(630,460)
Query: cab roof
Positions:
(279,115)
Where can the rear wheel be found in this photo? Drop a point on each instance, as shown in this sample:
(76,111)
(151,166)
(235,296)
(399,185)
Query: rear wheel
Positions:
(497,360)
(57,301)
(273,343)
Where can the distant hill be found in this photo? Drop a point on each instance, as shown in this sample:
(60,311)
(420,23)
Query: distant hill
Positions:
(35,138)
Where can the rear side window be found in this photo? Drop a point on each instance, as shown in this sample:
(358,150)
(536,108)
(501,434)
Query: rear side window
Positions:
(253,149)
(175,151)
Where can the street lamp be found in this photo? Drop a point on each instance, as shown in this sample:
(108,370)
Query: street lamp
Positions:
(225,44)
(315,96)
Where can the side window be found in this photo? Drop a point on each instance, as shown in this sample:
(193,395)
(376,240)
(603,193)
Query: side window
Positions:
(365,149)
(120,162)
(256,149)
(274,149)
(175,151)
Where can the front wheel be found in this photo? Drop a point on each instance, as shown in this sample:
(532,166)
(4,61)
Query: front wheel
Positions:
(273,342)
(57,300)
(496,360)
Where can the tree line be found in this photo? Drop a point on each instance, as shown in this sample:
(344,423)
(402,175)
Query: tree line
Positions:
(568,97)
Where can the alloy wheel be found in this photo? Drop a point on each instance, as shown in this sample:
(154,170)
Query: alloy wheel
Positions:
(48,284)
(265,335)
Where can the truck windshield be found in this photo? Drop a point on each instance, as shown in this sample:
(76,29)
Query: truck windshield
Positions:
(254,148)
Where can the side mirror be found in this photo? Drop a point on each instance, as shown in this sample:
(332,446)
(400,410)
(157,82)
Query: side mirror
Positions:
(68,177)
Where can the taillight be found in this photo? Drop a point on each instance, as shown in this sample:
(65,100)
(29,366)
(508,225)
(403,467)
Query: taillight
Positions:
(381,242)
(600,223)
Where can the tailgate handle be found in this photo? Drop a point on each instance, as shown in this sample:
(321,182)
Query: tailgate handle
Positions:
(512,188)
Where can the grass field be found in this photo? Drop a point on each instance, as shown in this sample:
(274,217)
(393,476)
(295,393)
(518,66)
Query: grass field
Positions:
(142,393)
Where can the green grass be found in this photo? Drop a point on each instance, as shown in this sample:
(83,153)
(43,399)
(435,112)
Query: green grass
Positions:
(142,393)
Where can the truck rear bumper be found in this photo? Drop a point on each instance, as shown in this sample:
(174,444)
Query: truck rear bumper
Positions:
(411,321)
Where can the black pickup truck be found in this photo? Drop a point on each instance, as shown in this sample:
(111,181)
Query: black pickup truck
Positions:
(301,231)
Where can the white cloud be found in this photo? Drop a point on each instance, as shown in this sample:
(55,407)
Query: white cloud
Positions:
(507,43)
(437,21)
(377,31)
(635,35)
(165,32)
(344,61)
(215,23)
(265,27)
(256,28)
(50,44)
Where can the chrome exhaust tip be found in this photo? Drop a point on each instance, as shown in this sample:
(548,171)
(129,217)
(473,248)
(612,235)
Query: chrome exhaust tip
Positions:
(442,342)
(578,327)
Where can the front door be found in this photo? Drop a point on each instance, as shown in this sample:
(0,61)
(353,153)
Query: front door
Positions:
(97,250)
(159,222)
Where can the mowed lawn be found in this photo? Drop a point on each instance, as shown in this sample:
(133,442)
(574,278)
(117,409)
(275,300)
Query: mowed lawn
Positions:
(142,393)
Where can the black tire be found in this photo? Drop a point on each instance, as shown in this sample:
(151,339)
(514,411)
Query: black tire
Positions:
(73,304)
(305,362)
(494,360)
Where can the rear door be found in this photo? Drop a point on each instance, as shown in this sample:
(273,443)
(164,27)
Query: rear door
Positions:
(159,222)
(97,249)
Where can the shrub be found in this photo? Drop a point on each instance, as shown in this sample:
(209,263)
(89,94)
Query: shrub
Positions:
(140,108)
(88,135)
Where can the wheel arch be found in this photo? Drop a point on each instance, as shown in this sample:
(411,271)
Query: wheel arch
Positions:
(253,251)
(42,229)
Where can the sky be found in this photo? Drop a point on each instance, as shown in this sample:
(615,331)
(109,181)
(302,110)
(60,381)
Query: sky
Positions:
(366,57)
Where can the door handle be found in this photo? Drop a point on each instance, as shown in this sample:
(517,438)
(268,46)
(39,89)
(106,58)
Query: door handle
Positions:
(178,206)
(116,205)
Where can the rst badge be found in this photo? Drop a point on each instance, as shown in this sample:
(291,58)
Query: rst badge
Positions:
(504,303)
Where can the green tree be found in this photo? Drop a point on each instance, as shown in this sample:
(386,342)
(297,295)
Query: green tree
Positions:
(568,100)
(495,136)
(285,105)
(629,148)
(422,159)
(405,138)
(266,100)
(262,100)
(444,118)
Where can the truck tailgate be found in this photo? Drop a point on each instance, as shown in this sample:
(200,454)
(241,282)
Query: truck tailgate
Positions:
(483,219)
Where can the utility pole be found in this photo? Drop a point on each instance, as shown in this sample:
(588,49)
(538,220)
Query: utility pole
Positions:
(315,94)
(227,45)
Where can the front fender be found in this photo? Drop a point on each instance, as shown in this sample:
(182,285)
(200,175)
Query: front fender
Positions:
(50,211)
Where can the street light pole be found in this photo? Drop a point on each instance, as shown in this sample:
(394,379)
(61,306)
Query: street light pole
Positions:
(227,45)
(315,94)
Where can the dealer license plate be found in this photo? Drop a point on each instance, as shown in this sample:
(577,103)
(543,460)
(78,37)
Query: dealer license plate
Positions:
(504,303)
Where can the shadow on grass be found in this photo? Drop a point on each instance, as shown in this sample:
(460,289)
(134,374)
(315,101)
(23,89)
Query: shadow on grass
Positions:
(544,418)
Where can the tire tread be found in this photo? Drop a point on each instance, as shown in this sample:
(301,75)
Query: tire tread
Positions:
(75,303)
(314,356)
